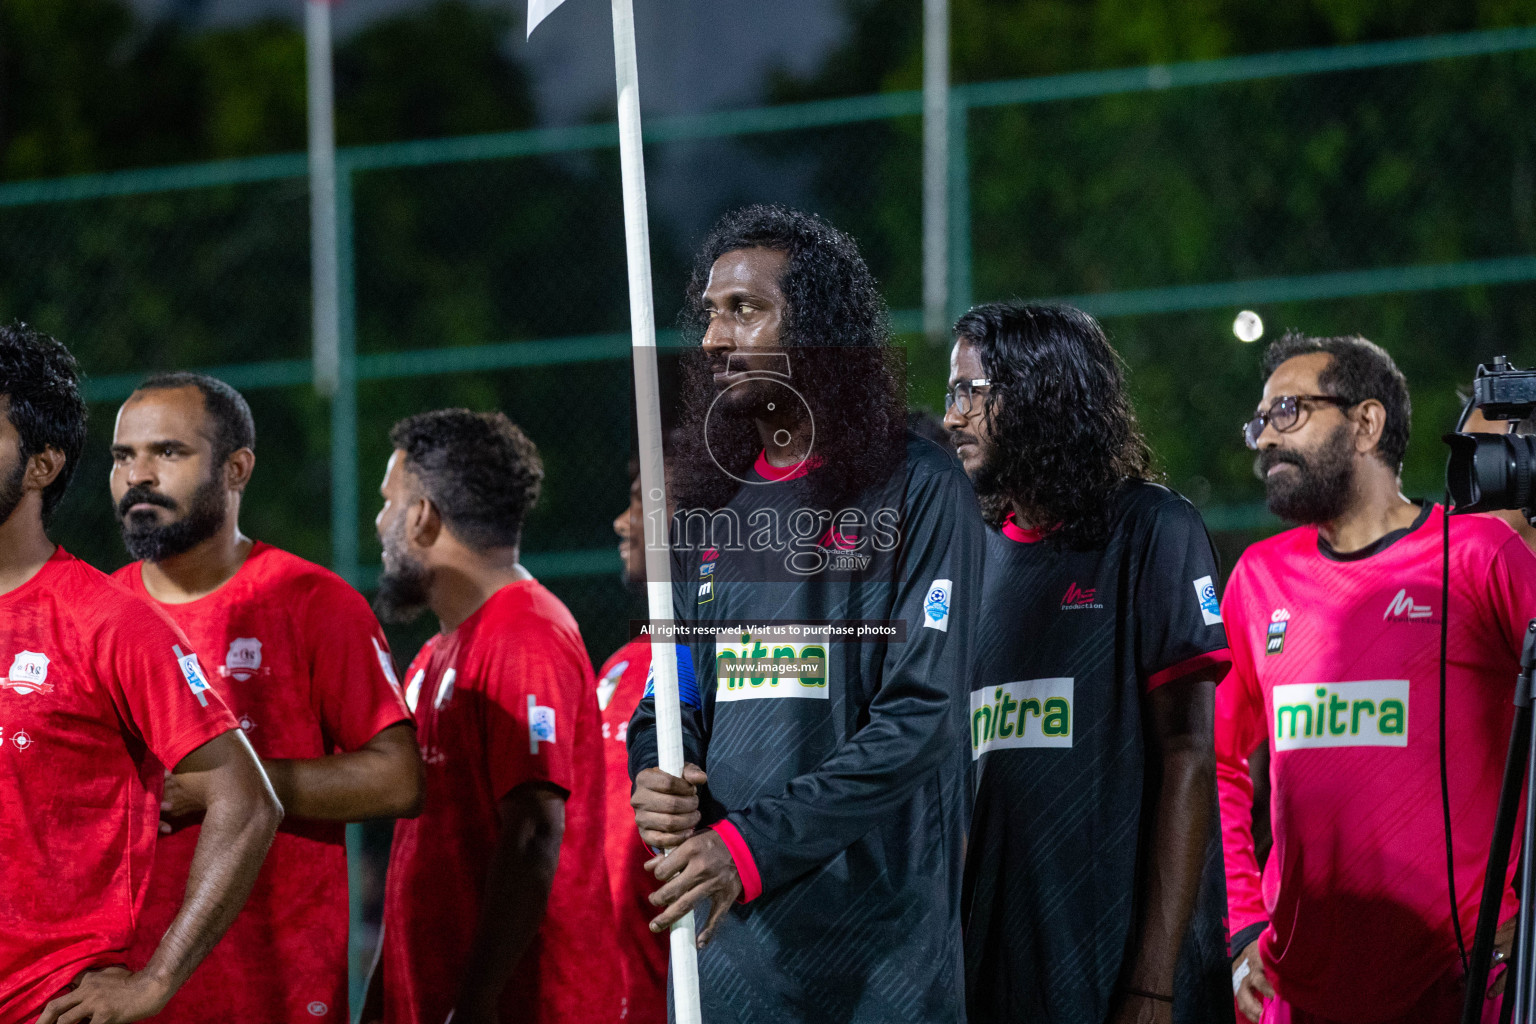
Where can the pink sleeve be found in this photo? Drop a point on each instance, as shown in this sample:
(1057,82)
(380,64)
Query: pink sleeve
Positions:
(355,692)
(534,685)
(156,682)
(1512,590)
(1239,730)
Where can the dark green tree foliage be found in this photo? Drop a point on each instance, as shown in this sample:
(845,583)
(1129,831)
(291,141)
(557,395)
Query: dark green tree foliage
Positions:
(445,256)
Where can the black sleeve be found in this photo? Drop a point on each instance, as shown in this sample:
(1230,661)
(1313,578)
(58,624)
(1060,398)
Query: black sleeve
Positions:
(1177,597)
(641,738)
(912,725)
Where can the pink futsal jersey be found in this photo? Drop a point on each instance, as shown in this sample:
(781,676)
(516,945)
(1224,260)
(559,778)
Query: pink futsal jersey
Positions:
(1335,659)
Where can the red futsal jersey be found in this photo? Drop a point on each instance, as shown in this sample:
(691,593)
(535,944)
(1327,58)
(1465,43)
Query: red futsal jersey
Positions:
(299,658)
(643,953)
(1335,659)
(97,686)
(504,699)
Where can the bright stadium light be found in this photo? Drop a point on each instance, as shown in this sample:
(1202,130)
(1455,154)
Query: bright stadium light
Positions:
(1248,327)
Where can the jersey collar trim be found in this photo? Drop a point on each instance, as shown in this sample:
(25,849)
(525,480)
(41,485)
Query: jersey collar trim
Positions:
(778,474)
(1377,546)
(1023,534)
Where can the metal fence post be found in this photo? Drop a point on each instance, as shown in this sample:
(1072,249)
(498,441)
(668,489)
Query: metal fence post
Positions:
(344,468)
(959,204)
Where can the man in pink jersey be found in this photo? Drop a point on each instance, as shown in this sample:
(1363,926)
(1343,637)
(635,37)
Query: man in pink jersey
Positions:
(97,687)
(620,686)
(300,660)
(1335,636)
(496,905)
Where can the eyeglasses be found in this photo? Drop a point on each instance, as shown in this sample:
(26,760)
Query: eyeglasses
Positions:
(962,393)
(1285,415)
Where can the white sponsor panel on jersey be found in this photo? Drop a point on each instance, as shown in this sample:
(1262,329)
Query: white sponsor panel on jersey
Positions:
(413,689)
(782,662)
(1028,713)
(386,663)
(1369,713)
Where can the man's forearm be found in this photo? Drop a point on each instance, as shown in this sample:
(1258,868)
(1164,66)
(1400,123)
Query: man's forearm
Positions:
(1185,790)
(517,888)
(380,780)
(234,840)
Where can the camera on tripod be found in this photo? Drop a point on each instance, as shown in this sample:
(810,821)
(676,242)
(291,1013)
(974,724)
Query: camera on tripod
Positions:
(1490,472)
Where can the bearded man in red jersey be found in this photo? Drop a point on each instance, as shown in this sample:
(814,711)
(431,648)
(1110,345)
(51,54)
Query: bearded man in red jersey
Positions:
(496,904)
(101,690)
(299,658)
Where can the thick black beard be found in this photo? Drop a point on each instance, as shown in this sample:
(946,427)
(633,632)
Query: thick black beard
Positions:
(148,541)
(1321,489)
(11,491)
(402,594)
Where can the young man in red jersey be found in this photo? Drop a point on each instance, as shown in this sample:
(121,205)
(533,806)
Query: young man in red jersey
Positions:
(299,658)
(497,905)
(98,685)
(620,685)
(1335,636)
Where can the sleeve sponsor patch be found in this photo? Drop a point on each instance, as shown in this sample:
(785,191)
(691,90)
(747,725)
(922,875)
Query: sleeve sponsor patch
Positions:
(1210,607)
(541,724)
(936,605)
(193,672)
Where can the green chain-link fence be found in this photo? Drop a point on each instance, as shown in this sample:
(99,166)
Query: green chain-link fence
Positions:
(1386,188)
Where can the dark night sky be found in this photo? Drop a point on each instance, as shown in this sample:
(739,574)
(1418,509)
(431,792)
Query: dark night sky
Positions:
(695,55)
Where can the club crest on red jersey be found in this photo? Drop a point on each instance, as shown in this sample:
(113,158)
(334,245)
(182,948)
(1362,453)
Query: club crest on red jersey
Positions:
(244,658)
(29,674)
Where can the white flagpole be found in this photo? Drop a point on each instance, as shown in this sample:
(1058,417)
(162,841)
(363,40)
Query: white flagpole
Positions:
(658,568)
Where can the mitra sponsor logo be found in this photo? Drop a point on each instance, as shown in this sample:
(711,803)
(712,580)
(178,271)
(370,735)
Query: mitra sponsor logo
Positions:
(1029,713)
(753,667)
(1372,713)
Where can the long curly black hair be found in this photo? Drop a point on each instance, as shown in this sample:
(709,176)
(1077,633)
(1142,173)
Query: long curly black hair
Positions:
(838,336)
(1063,433)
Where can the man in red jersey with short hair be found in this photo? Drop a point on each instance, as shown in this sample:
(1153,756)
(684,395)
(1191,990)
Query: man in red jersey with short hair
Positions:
(620,685)
(497,904)
(1335,637)
(97,686)
(300,660)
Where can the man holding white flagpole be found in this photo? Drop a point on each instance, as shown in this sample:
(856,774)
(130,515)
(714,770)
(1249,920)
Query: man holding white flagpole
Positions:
(828,568)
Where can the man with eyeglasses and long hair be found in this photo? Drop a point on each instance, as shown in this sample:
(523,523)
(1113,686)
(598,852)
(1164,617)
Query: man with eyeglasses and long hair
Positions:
(1093,882)
(1335,630)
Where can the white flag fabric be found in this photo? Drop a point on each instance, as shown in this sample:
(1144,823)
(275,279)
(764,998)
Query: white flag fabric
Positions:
(538,10)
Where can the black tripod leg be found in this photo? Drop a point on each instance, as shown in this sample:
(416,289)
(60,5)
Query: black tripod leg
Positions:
(1515,765)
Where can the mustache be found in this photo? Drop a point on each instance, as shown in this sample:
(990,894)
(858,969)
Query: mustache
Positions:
(960,437)
(141,495)
(1271,457)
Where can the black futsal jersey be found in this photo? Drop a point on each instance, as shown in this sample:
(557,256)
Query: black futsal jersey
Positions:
(1067,645)
(840,786)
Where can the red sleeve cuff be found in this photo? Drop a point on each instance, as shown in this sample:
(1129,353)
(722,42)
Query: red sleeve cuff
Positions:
(1188,666)
(746,867)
